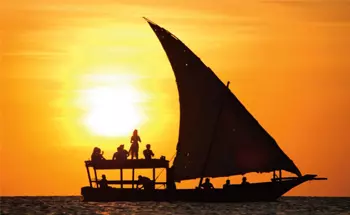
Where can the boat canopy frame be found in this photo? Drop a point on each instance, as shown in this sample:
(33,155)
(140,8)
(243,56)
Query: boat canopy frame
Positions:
(127,164)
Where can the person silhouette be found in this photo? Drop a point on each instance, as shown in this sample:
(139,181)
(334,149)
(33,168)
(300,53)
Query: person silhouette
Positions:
(117,154)
(244,181)
(207,185)
(97,155)
(124,153)
(121,154)
(134,148)
(146,183)
(148,153)
(227,184)
(103,182)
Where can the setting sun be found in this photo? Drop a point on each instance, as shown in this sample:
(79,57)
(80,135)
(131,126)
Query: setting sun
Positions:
(75,75)
(112,109)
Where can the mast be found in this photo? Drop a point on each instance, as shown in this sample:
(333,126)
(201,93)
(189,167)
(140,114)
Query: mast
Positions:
(213,138)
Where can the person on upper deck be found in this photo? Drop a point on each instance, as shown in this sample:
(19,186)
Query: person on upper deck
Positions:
(244,181)
(121,154)
(148,153)
(117,154)
(124,153)
(134,149)
(97,155)
(207,185)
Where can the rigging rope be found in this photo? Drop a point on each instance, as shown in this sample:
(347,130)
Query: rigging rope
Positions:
(163,170)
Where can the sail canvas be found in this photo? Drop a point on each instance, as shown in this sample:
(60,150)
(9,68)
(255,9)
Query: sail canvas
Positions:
(218,136)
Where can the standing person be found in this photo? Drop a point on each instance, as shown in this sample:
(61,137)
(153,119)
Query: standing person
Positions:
(134,149)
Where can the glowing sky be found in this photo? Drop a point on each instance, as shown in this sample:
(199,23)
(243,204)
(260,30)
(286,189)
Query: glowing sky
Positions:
(66,65)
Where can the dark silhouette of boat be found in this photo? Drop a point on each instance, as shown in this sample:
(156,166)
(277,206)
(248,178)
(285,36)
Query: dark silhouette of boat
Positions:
(218,137)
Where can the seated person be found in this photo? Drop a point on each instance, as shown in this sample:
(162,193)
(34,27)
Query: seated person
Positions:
(227,184)
(97,155)
(207,185)
(103,182)
(116,155)
(121,154)
(124,153)
(148,152)
(244,181)
(147,183)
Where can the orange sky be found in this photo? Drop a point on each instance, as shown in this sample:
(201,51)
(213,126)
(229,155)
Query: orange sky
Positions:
(63,61)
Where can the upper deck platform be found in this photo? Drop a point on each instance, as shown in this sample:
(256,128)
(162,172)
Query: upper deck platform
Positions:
(129,164)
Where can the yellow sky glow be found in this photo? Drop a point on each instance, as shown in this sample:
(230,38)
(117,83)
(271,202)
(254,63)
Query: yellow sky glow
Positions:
(79,74)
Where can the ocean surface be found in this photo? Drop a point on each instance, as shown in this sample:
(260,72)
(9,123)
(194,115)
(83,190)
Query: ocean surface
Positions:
(73,205)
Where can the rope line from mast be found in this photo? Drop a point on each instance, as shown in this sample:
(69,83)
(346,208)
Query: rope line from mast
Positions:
(172,158)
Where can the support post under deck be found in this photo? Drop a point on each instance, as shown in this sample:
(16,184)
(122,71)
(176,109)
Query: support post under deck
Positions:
(167,178)
(154,174)
(97,185)
(121,178)
(88,172)
(133,178)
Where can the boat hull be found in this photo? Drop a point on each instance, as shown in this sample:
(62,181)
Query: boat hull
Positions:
(266,191)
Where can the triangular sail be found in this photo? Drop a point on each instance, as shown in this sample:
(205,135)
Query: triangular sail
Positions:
(218,136)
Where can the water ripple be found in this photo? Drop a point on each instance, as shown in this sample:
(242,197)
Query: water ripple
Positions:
(73,205)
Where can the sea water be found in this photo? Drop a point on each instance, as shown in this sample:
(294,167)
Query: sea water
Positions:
(74,205)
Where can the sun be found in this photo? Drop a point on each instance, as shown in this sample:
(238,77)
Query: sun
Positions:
(112,110)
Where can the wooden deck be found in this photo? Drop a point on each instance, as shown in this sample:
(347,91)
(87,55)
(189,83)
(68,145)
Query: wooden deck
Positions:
(126,182)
